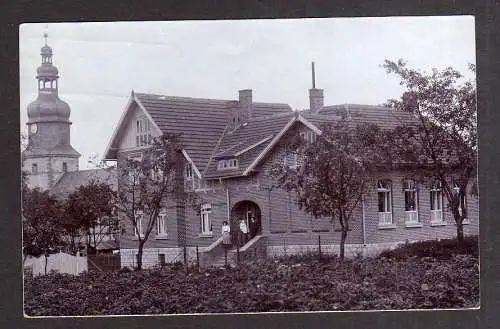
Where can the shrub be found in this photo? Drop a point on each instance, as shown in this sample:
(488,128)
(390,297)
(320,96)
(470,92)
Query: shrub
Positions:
(440,249)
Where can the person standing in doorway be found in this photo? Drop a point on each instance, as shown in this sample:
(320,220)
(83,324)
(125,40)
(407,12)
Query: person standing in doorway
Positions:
(243,232)
(226,238)
(253,227)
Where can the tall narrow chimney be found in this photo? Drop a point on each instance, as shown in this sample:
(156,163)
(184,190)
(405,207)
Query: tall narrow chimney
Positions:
(316,98)
(245,99)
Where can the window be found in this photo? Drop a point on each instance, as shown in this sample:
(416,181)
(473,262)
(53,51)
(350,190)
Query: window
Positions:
(227,164)
(188,171)
(133,173)
(436,195)
(161,224)
(143,132)
(384,189)
(138,230)
(309,136)
(206,224)
(64,167)
(34,168)
(411,201)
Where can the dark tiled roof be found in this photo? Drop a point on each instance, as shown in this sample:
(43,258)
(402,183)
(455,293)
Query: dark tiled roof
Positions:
(72,180)
(252,132)
(384,117)
(200,121)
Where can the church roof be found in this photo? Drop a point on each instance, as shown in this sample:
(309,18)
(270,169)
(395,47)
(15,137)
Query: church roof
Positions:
(72,180)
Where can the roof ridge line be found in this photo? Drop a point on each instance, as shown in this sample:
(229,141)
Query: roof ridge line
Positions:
(215,150)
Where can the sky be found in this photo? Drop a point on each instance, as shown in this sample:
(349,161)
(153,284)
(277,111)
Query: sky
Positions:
(101,63)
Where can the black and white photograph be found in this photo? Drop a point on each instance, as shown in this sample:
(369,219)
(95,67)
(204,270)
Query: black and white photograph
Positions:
(249,166)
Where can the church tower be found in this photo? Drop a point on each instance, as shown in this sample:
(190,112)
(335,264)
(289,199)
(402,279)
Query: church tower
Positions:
(49,153)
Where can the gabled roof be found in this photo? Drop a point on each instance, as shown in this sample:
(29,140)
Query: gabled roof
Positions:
(71,181)
(201,122)
(257,132)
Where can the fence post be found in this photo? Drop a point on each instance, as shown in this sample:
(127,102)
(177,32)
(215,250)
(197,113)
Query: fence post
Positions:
(185,255)
(319,246)
(197,258)
(238,250)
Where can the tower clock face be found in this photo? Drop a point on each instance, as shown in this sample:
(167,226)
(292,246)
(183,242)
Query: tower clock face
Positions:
(33,128)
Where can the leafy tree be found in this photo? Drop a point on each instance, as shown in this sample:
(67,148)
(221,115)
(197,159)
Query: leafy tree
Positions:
(442,143)
(90,210)
(148,184)
(41,227)
(335,171)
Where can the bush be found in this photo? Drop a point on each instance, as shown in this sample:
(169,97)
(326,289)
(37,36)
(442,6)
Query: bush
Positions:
(293,283)
(440,249)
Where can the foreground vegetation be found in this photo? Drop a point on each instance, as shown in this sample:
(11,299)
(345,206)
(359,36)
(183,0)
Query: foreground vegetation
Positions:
(426,275)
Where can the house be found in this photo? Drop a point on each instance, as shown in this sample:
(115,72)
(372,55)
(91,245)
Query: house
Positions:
(229,147)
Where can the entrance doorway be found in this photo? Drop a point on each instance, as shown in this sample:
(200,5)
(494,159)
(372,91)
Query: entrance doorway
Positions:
(250,212)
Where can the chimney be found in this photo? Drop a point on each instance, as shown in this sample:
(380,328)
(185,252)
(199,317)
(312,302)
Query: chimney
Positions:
(316,98)
(245,99)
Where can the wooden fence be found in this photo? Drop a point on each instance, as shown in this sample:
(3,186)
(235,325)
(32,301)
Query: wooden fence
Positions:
(61,262)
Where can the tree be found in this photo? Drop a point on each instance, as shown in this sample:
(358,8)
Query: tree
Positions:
(442,143)
(41,228)
(90,210)
(335,171)
(148,183)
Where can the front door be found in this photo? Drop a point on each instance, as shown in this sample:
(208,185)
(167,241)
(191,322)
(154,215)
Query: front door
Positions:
(250,213)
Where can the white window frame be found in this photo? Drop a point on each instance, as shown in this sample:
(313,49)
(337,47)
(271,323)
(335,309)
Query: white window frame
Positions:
(131,173)
(385,218)
(291,160)
(227,164)
(161,225)
(411,215)
(188,171)
(206,220)
(309,136)
(139,229)
(143,135)
(436,202)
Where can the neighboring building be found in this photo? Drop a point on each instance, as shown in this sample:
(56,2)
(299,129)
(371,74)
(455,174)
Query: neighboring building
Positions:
(229,147)
(102,237)
(49,153)
(49,161)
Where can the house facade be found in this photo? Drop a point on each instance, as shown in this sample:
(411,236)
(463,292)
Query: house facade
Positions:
(229,147)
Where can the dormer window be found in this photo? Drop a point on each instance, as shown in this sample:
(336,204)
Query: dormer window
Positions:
(143,132)
(227,164)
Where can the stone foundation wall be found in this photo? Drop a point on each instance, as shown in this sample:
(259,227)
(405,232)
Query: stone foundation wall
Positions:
(151,256)
(351,250)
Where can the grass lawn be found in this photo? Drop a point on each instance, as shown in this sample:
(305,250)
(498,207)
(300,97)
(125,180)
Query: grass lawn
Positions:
(426,275)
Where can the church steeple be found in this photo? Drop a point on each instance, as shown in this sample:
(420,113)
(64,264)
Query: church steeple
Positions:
(49,153)
(48,106)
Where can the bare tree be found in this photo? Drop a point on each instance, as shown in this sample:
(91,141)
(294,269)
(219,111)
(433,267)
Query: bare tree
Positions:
(148,183)
(335,171)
